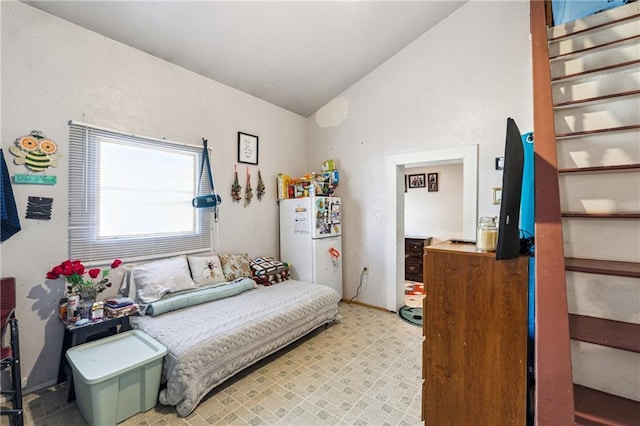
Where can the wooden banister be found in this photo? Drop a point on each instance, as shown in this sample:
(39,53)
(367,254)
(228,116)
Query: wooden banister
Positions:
(554,403)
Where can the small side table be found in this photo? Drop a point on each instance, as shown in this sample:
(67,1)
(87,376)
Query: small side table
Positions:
(77,335)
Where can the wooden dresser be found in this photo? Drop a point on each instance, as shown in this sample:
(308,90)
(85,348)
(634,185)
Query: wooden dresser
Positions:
(413,254)
(474,356)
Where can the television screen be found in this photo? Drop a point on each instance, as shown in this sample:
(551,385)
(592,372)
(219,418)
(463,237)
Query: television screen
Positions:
(509,222)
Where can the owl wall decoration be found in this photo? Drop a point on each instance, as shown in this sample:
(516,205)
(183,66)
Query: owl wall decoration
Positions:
(35,151)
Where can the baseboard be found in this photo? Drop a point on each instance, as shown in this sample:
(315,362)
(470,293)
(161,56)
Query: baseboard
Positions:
(39,386)
(355,302)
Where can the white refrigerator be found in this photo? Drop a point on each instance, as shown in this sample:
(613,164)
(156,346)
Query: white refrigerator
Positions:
(311,239)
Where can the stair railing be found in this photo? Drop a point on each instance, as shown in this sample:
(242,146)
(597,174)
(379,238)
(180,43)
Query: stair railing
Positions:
(553,379)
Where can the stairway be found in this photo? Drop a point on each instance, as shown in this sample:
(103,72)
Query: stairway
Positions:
(595,81)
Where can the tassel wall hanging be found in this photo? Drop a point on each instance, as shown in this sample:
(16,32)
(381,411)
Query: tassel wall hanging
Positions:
(260,189)
(235,187)
(248,191)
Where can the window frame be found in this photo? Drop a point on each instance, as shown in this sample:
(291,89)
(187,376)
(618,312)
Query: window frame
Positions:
(84,203)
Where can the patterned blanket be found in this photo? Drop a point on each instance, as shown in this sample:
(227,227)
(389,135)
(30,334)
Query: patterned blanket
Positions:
(209,343)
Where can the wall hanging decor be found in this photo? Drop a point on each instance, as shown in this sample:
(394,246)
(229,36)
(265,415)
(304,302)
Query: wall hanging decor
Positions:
(247,148)
(433,182)
(248,191)
(235,186)
(39,208)
(261,188)
(416,181)
(34,179)
(35,151)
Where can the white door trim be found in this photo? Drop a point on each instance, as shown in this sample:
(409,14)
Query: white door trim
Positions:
(394,207)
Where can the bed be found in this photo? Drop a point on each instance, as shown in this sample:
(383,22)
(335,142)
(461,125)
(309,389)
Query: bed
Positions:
(209,342)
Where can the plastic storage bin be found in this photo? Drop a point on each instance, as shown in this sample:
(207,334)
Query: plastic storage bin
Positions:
(116,377)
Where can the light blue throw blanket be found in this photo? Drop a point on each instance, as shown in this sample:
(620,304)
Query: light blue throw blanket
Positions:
(172,302)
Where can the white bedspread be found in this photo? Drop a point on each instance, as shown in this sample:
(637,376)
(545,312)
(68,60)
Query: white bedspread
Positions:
(209,343)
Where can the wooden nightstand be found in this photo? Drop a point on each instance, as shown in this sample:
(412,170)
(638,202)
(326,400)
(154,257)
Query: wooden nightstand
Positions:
(413,253)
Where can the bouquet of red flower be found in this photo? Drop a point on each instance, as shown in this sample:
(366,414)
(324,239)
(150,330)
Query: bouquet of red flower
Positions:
(75,274)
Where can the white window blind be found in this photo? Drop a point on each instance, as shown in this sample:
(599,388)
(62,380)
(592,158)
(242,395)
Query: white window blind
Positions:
(130,196)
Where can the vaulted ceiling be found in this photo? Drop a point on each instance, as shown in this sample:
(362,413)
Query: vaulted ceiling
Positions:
(297,55)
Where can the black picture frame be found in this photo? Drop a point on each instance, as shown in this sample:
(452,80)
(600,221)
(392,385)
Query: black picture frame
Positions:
(432,179)
(416,181)
(247,148)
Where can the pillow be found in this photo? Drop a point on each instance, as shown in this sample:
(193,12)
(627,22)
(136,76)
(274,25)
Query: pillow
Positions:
(181,300)
(235,266)
(268,270)
(266,265)
(206,270)
(154,280)
(128,285)
(274,278)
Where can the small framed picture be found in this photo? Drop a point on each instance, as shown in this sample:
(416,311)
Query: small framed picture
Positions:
(247,148)
(497,195)
(432,179)
(416,181)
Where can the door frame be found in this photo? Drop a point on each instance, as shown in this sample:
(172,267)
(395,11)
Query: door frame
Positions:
(394,207)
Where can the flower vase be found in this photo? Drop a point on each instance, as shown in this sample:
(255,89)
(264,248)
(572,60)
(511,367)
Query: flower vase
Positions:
(85,307)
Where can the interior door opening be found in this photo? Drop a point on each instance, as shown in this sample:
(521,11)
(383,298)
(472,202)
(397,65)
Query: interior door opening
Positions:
(394,206)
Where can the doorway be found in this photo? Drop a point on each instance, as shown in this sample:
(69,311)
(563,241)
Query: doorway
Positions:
(432,214)
(394,206)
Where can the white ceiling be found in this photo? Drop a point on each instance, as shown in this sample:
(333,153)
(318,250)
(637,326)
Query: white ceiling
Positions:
(298,55)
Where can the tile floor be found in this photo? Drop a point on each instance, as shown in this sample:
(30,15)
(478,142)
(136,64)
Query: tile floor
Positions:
(365,370)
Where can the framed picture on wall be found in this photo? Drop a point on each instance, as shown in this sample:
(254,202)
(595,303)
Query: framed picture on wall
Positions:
(416,181)
(432,179)
(247,148)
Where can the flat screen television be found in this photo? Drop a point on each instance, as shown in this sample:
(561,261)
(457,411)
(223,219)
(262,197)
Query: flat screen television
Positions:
(509,222)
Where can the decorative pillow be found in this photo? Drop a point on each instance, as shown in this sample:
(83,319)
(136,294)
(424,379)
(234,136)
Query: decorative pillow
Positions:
(206,270)
(128,285)
(268,270)
(266,265)
(274,278)
(155,279)
(235,266)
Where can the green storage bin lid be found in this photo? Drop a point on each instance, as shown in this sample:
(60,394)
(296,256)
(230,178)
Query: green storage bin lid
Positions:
(114,355)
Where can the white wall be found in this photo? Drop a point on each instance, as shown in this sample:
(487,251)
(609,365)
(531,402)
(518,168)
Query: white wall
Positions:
(53,72)
(454,86)
(435,214)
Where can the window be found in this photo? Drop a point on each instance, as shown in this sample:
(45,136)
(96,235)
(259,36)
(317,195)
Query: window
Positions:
(130,197)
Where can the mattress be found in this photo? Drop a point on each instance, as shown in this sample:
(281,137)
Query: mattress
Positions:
(210,342)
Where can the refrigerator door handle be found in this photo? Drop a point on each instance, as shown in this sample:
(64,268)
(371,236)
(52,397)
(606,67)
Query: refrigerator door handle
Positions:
(335,254)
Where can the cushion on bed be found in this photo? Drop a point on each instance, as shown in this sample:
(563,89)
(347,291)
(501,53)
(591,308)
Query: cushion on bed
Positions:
(275,278)
(206,270)
(127,286)
(201,295)
(265,265)
(155,279)
(268,270)
(235,266)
